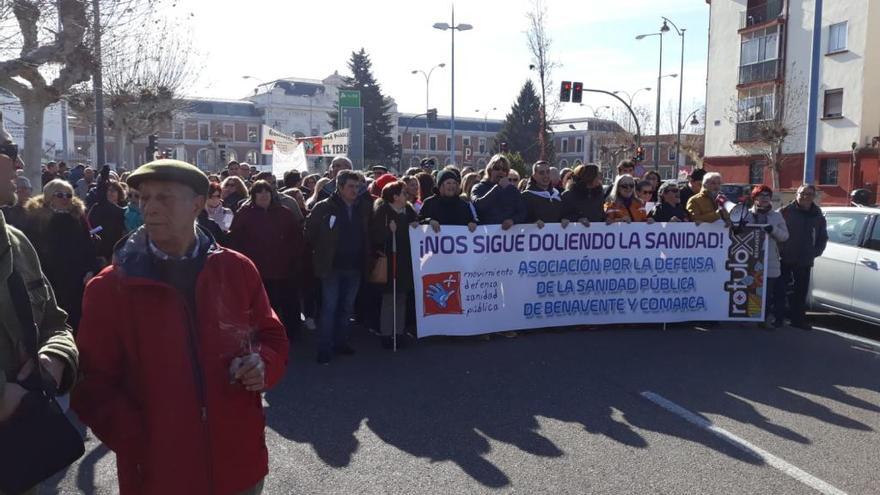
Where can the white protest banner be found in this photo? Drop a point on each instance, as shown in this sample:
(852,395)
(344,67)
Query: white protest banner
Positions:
(288,157)
(330,144)
(494,280)
(272,136)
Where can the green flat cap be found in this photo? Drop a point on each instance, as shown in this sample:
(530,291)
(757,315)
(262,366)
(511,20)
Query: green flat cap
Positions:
(171,171)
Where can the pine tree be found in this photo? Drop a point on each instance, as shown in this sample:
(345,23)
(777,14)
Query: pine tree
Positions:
(522,126)
(378,120)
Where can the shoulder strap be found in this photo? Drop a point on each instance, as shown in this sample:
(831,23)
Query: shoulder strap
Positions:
(22,304)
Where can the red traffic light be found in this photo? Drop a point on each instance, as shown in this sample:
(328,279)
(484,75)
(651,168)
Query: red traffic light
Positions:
(577,94)
(565,92)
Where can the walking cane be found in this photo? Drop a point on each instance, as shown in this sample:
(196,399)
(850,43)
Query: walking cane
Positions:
(394,285)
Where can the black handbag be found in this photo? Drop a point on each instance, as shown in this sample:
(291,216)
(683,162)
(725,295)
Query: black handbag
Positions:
(38,440)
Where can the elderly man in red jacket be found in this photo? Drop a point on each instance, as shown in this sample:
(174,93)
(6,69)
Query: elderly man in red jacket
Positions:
(177,342)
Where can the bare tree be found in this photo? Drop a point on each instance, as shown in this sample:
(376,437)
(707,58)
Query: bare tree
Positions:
(767,122)
(142,87)
(47,47)
(539,43)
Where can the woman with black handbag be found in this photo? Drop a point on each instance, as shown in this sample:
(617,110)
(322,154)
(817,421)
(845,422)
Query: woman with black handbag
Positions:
(392,216)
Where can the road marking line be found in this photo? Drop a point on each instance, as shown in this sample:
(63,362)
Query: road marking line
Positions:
(742,444)
(855,338)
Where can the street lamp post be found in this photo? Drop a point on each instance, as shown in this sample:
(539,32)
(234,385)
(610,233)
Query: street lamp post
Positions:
(680,94)
(453,27)
(663,29)
(595,110)
(428,86)
(631,97)
(486,117)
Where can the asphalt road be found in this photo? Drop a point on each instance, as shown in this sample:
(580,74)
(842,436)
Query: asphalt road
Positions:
(728,409)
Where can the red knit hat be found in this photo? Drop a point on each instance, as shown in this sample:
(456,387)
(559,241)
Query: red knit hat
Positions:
(383,181)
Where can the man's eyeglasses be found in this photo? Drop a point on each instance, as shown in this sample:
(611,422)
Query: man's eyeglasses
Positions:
(61,195)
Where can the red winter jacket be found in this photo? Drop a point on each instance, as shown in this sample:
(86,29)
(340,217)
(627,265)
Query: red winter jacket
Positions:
(272,238)
(156,390)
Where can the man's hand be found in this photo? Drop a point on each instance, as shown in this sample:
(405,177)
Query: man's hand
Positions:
(564,223)
(250,371)
(392,226)
(540,224)
(584,221)
(674,219)
(649,220)
(435,226)
(12,396)
(471,227)
(506,224)
(414,225)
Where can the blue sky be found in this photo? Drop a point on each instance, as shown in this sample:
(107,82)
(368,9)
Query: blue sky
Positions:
(593,40)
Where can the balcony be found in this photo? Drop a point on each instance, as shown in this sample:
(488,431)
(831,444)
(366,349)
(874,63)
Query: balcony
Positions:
(762,71)
(749,131)
(758,13)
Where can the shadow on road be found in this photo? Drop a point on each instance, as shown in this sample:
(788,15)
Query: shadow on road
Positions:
(442,399)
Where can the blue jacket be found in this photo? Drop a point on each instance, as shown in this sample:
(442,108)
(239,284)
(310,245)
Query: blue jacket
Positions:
(495,205)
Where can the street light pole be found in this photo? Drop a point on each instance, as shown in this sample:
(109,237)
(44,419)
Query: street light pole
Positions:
(680,95)
(427,87)
(98,86)
(632,97)
(659,91)
(453,27)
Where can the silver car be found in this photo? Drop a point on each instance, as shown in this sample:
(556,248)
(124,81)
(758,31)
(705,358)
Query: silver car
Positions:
(846,278)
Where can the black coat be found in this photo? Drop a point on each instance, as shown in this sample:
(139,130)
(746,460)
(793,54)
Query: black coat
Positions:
(495,204)
(446,211)
(111,219)
(664,212)
(542,208)
(807,235)
(581,202)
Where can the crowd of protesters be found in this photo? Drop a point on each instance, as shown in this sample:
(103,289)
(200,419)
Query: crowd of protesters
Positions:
(152,299)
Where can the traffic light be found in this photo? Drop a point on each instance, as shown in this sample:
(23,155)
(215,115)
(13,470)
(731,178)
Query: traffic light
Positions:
(152,147)
(432,115)
(577,92)
(222,153)
(565,93)
(640,154)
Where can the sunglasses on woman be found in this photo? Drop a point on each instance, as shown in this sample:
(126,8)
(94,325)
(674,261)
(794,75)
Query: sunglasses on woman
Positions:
(60,195)
(625,186)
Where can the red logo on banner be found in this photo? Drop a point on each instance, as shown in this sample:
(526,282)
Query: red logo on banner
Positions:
(269,144)
(442,293)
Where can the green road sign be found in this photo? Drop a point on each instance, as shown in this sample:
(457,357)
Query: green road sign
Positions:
(349,98)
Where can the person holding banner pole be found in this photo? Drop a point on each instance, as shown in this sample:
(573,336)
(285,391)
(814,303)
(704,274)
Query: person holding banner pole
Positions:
(391,214)
(761,213)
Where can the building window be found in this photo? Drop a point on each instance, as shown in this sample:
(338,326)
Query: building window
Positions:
(833,103)
(229,131)
(565,145)
(482,145)
(432,143)
(253,135)
(231,156)
(204,131)
(252,157)
(563,163)
(670,153)
(178,130)
(837,37)
(759,55)
(466,141)
(203,157)
(579,145)
(828,169)
(756,172)
(448,143)
(755,105)
(416,141)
